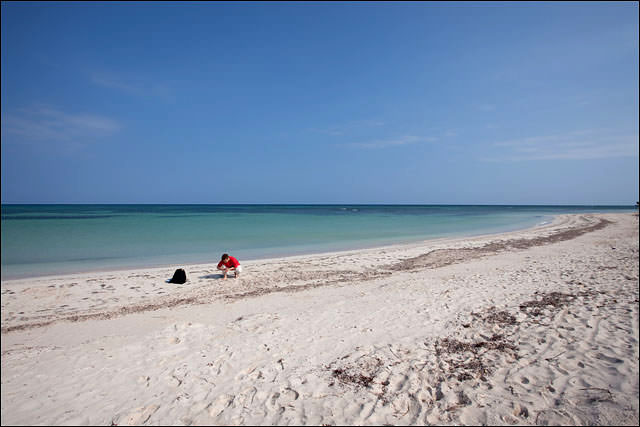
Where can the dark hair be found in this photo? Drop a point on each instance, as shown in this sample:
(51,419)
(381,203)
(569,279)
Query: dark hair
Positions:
(224,256)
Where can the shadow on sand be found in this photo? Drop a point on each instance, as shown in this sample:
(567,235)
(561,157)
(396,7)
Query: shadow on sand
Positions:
(213,276)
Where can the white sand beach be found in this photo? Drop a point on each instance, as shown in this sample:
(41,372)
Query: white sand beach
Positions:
(533,327)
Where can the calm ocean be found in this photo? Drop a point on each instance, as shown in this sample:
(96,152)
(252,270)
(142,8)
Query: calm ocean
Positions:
(53,239)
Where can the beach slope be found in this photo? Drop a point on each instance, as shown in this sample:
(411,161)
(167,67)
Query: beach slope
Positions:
(533,327)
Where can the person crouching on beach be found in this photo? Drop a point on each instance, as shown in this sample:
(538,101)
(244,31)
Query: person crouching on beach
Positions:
(229,263)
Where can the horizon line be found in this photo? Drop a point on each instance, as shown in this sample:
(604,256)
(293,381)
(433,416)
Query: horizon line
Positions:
(321,204)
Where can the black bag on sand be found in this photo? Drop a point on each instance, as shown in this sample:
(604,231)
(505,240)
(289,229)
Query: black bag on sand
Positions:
(179,276)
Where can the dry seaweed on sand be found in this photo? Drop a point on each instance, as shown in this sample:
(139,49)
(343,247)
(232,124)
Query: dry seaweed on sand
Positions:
(356,378)
(496,317)
(451,345)
(443,257)
(451,350)
(360,374)
(551,300)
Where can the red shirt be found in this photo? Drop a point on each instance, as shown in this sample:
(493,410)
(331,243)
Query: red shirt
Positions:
(232,263)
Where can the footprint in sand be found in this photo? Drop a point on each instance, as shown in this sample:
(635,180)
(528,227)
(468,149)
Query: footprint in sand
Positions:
(138,416)
(255,374)
(220,404)
(245,398)
(272,402)
(608,358)
(520,411)
(288,396)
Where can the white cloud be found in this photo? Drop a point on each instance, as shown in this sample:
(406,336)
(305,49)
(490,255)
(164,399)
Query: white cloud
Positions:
(131,86)
(47,123)
(578,145)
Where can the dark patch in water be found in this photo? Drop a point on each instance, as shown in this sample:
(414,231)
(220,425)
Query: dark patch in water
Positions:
(47,217)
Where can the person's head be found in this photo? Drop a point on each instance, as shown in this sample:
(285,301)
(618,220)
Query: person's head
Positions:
(225,257)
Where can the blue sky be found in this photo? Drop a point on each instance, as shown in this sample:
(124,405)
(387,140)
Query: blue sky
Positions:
(454,103)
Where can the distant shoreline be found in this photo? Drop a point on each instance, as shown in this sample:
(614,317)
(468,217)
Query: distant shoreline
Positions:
(192,248)
(284,255)
(319,204)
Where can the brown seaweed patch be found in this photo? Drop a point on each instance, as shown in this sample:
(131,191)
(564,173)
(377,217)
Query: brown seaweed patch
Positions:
(496,317)
(443,257)
(361,373)
(553,299)
(465,360)
(107,315)
(355,277)
(346,378)
(452,345)
(342,278)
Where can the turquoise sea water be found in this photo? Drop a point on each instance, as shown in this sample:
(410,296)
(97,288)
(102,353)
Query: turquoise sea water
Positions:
(54,239)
